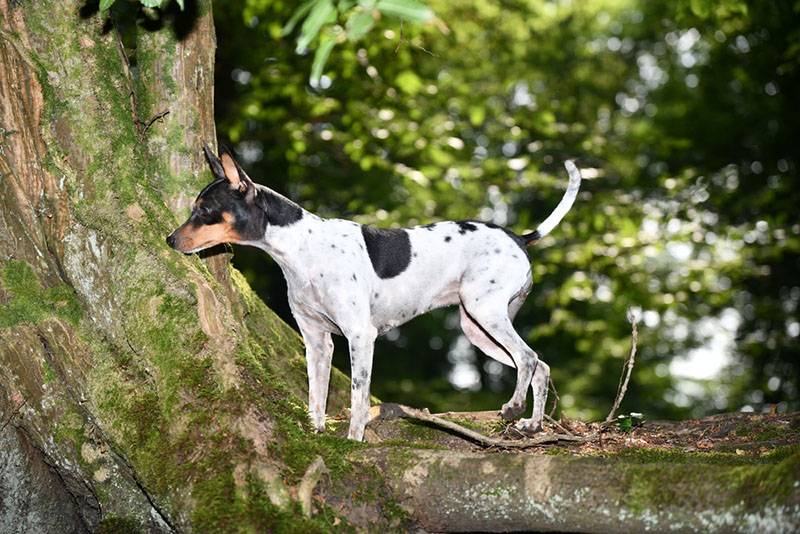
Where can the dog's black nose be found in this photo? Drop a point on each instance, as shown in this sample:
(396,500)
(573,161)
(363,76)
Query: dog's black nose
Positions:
(171,240)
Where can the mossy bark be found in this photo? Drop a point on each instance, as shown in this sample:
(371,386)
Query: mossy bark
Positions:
(635,491)
(156,387)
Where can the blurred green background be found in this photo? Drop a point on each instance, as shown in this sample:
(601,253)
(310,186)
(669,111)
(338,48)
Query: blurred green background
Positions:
(683,115)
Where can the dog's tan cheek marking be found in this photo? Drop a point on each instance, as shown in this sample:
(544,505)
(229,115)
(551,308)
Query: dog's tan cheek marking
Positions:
(207,235)
(213,234)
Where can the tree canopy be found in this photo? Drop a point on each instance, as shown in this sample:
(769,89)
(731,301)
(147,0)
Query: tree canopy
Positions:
(680,114)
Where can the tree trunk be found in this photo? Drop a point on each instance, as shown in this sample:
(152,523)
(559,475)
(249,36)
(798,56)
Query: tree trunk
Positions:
(145,390)
(146,382)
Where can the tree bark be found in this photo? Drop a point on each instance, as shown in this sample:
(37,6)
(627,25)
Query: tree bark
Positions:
(137,375)
(145,390)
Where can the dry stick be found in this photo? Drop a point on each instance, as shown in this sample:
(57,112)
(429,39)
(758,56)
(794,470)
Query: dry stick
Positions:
(555,394)
(557,424)
(626,369)
(399,410)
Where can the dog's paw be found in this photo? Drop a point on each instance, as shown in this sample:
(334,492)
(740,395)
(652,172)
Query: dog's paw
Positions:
(528,426)
(511,411)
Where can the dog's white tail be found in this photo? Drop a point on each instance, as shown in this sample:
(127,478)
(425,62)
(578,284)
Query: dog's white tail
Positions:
(563,207)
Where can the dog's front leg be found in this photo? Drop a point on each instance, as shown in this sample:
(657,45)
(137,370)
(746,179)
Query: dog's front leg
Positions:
(362,344)
(319,352)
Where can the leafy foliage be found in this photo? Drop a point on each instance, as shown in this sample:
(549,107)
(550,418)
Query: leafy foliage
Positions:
(679,113)
(320,23)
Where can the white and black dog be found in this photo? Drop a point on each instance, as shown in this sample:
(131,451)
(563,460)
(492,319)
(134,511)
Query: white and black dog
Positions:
(359,281)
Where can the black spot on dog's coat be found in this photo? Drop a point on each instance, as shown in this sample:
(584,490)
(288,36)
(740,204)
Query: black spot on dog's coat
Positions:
(465,226)
(389,250)
(447,239)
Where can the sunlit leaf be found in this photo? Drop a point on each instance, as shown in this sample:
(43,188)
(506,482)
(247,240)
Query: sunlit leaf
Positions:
(323,12)
(320,58)
(701,8)
(105,4)
(408,82)
(299,13)
(410,10)
(359,24)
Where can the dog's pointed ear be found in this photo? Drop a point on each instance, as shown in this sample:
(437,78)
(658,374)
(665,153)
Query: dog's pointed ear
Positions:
(234,172)
(236,175)
(214,163)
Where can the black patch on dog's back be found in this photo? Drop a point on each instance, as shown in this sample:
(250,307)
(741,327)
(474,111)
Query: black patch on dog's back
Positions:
(389,250)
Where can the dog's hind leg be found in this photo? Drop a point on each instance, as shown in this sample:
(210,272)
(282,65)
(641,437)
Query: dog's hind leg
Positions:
(319,352)
(489,327)
(541,377)
(478,337)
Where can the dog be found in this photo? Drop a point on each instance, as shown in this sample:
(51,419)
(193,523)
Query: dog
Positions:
(359,281)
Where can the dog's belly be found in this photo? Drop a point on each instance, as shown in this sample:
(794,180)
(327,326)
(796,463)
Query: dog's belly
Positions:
(399,304)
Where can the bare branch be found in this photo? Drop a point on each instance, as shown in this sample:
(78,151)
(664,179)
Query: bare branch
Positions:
(626,369)
(556,398)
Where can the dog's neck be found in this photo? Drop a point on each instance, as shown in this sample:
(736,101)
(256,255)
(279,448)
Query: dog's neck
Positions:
(287,228)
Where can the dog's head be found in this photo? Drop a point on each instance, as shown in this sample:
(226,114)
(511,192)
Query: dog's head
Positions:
(225,211)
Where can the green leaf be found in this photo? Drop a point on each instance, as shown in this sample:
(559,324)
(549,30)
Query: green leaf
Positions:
(322,13)
(320,59)
(106,4)
(150,3)
(359,24)
(180,4)
(299,13)
(410,10)
(701,8)
(625,423)
(408,82)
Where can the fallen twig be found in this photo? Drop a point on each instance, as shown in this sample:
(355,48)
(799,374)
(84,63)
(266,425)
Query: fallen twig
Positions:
(553,422)
(626,369)
(393,411)
(556,399)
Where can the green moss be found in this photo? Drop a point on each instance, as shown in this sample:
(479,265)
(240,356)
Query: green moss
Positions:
(69,428)
(31,303)
(49,374)
(119,525)
(656,455)
(418,432)
(762,430)
(665,478)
